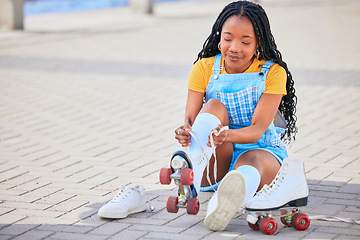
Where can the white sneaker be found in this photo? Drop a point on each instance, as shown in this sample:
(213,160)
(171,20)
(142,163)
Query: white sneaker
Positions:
(289,188)
(127,201)
(226,201)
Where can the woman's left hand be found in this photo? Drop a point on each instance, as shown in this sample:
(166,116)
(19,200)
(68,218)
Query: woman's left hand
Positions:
(219,135)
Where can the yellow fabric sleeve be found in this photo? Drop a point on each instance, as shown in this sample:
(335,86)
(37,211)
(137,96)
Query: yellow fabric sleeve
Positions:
(201,73)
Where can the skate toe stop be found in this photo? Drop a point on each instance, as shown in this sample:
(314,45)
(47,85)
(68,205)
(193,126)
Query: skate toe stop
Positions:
(251,219)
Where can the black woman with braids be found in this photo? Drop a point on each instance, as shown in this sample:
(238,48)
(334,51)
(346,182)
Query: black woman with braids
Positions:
(237,88)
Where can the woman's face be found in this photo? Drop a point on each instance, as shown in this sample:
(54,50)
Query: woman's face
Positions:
(237,44)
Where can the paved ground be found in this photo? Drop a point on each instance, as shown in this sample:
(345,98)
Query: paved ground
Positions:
(89,101)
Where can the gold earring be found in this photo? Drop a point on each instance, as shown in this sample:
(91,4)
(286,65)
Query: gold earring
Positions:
(257,53)
(219,46)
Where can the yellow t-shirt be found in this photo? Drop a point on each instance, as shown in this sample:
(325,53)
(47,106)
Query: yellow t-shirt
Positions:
(202,71)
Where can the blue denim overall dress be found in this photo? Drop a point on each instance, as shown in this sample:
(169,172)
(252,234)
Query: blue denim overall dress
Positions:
(240,93)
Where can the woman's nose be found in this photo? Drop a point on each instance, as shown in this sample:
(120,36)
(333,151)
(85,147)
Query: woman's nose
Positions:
(235,47)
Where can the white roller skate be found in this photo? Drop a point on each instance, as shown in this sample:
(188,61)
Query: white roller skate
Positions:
(187,174)
(226,201)
(282,198)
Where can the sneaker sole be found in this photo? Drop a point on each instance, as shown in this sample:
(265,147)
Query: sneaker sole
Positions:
(121,215)
(231,194)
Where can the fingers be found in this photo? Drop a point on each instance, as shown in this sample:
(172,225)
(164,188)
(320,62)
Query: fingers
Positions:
(219,134)
(183,136)
(216,130)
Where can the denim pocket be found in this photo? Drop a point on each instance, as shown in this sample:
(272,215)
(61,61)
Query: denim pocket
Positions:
(240,105)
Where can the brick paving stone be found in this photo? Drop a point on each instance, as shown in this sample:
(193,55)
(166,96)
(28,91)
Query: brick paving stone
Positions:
(350,188)
(10,218)
(17,229)
(37,213)
(170,236)
(34,235)
(156,228)
(71,236)
(108,229)
(317,235)
(329,209)
(346,237)
(5,237)
(128,234)
(5,210)
(337,230)
(221,235)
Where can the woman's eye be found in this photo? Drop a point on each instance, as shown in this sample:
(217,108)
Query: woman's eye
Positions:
(227,40)
(246,43)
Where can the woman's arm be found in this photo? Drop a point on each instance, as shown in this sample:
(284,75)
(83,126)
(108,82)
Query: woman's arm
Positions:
(193,106)
(263,116)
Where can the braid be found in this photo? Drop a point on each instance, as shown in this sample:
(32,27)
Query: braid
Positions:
(267,50)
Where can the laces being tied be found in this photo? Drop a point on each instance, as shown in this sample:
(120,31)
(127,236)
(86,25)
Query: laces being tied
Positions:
(208,158)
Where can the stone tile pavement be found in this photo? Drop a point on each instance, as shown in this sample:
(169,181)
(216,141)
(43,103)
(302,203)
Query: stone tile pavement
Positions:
(89,101)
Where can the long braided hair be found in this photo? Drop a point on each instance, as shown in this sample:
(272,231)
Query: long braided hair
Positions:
(267,50)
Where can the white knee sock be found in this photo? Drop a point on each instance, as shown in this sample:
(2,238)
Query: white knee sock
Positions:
(203,124)
(202,127)
(252,179)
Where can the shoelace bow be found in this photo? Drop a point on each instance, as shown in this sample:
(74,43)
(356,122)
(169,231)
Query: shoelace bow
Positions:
(124,193)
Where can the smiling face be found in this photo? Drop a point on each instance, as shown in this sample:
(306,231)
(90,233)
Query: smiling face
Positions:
(237,44)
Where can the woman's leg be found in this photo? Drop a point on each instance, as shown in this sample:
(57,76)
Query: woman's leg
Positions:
(252,169)
(223,152)
(266,163)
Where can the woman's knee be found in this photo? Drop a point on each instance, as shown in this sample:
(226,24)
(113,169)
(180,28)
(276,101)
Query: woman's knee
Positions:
(217,108)
(249,158)
(263,161)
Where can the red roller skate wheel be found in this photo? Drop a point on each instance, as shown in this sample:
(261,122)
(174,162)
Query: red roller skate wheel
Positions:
(192,206)
(171,205)
(165,176)
(268,225)
(300,221)
(186,176)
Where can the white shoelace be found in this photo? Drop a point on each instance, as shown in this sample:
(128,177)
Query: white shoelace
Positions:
(208,159)
(268,189)
(120,196)
(334,219)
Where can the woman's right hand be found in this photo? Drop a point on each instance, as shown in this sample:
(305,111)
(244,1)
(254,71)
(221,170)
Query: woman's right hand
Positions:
(182,135)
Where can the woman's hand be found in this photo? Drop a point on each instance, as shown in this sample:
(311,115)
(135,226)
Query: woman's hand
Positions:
(183,136)
(219,135)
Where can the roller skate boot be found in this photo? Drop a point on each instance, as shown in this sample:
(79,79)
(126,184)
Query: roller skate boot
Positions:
(187,174)
(226,201)
(282,198)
